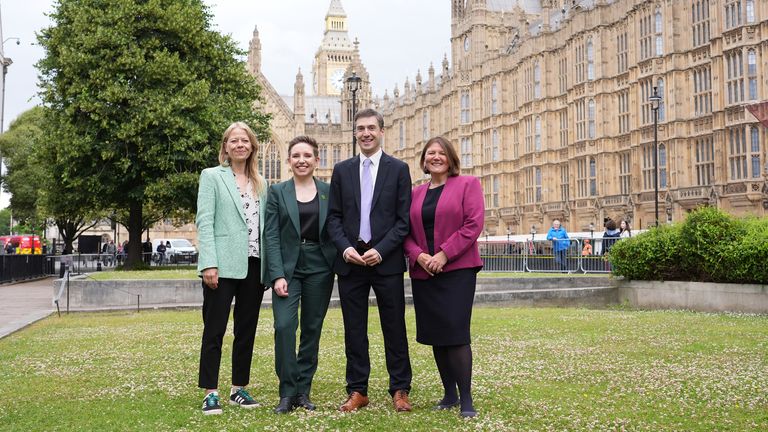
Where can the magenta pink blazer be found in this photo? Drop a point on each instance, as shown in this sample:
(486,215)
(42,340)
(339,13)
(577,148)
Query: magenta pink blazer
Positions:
(459,220)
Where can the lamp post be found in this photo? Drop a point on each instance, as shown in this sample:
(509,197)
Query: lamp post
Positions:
(591,230)
(353,83)
(4,63)
(655,100)
(533,235)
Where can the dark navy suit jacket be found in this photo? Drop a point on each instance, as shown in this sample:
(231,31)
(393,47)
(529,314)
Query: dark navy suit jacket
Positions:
(389,212)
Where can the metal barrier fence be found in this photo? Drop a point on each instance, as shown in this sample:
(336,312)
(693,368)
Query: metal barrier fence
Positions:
(546,256)
(86,263)
(21,267)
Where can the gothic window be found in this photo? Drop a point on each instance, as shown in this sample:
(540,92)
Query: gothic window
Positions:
(659,28)
(564,180)
(755,150)
(700,20)
(537,174)
(466,152)
(495,150)
(662,166)
(660,89)
(702,90)
(648,179)
(622,63)
(530,185)
(536,80)
(592,177)
(733,13)
(752,74)
(623,105)
(537,137)
(465,104)
(734,61)
(425,125)
(528,134)
(581,177)
(564,128)
(704,159)
(401,141)
(271,164)
(581,119)
(494,97)
(323,156)
(646,36)
(737,153)
(581,66)
(625,173)
(646,108)
(563,72)
(495,188)
(750,11)
(591,118)
(590,60)
(336,154)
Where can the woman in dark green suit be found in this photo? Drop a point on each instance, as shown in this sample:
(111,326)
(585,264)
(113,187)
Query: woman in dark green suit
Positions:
(299,257)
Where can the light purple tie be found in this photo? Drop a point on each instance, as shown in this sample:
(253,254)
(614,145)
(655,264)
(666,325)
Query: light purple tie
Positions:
(366,196)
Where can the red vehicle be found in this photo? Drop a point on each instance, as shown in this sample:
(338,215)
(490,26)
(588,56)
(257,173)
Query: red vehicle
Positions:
(22,244)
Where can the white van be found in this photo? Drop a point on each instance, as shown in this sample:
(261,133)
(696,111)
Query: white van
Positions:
(176,250)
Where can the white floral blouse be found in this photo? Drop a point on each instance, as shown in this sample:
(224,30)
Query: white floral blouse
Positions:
(251,211)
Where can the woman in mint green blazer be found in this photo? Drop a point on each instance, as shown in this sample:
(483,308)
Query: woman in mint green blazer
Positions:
(230,222)
(299,259)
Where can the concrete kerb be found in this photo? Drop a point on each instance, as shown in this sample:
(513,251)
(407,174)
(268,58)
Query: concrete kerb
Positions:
(90,295)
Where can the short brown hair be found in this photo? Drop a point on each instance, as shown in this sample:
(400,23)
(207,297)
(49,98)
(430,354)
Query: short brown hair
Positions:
(370,112)
(454,166)
(304,139)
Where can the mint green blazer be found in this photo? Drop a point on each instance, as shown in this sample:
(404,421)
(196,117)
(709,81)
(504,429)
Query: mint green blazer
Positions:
(222,234)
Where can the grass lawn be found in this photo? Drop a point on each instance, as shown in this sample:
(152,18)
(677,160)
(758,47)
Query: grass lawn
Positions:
(535,369)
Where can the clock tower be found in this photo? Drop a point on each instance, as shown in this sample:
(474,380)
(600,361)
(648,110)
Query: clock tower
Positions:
(334,54)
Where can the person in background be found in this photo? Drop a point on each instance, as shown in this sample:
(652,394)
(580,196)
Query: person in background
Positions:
(299,257)
(624,230)
(368,221)
(560,244)
(446,218)
(146,249)
(230,220)
(587,250)
(610,236)
(161,248)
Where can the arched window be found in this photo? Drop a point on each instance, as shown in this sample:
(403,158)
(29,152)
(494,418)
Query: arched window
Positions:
(591,118)
(590,60)
(660,85)
(750,11)
(662,166)
(592,177)
(537,134)
(270,168)
(494,97)
(536,80)
(752,74)
(659,29)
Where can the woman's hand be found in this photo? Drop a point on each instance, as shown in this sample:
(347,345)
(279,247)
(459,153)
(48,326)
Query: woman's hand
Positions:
(436,263)
(211,277)
(280,287)
(423,260)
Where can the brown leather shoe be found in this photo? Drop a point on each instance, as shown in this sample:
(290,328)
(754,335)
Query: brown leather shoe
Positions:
(354,401)
(400,399)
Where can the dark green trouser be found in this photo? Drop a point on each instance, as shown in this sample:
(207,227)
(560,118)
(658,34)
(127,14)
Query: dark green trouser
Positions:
(311,287)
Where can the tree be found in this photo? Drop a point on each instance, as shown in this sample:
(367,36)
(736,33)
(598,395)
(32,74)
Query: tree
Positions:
(140,92)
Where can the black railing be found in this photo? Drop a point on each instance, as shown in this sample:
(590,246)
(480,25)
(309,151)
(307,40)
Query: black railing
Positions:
(21,267)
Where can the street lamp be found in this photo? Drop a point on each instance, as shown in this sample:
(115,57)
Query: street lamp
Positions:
(353,83)
(533,245)
(655,100)
(591,230)
(4,63)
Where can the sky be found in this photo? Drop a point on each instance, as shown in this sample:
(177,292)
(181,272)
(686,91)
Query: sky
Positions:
(397,38)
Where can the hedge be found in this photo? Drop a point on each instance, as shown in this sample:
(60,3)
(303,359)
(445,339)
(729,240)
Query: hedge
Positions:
(709,246)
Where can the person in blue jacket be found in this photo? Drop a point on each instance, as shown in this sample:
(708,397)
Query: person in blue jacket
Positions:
(560,244)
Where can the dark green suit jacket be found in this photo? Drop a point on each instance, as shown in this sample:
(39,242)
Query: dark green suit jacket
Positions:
(282,230)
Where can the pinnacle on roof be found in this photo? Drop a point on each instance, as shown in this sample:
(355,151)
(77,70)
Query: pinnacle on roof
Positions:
(335,9)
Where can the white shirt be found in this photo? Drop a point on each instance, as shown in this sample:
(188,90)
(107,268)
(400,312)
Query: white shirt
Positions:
(375,160)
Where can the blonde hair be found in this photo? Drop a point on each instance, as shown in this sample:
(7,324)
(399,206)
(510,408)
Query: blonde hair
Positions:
(258,185)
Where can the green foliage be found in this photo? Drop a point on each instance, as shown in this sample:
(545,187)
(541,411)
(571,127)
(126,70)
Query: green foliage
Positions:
(139,93)
(709,246)
(24,170)
(5,221)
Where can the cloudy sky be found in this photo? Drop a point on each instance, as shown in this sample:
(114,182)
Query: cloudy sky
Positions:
(397,38)
(290,32)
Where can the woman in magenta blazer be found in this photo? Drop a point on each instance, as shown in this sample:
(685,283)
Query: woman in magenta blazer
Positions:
(446,219)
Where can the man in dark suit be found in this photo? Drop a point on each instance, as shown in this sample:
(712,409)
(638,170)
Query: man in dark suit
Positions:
(368,221)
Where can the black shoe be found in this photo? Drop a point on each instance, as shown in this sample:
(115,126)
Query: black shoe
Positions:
(285,406)
(303,401)
(442,405)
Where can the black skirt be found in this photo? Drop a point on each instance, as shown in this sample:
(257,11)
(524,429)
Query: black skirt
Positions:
(443,306)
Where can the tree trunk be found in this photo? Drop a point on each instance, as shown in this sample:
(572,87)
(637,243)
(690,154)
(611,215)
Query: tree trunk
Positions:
(135,230)
(67,231)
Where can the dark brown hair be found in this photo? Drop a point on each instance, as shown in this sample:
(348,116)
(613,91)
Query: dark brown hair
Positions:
(454,166)
(369,112)
(304,139)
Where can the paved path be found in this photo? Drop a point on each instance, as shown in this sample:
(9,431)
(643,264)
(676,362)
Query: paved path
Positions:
(23,303)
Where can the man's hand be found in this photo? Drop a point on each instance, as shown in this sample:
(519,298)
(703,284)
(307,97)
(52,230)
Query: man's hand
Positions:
(372,257)
(351,256)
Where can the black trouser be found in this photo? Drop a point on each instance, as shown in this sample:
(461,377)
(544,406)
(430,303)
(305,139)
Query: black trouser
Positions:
(248,293)
(353,294)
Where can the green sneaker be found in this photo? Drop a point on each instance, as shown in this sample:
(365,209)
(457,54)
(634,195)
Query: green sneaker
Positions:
(211,404)
(243,399)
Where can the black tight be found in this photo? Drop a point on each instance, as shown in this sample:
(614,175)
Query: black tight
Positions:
(455,366)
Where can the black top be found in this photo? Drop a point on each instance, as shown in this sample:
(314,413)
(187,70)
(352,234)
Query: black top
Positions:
(309,219)
(428,215)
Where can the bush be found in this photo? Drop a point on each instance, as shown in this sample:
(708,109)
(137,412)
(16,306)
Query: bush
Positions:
(710,246)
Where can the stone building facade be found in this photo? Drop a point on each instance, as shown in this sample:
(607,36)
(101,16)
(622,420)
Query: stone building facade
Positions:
(547,102)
